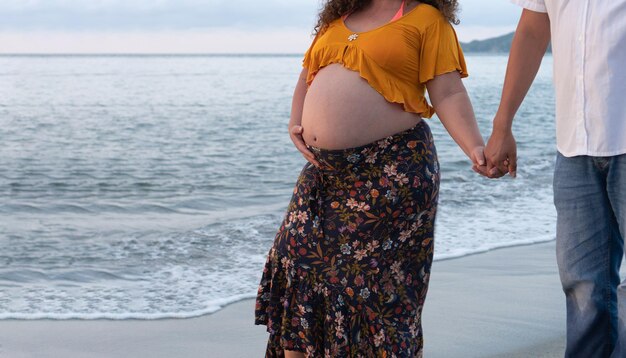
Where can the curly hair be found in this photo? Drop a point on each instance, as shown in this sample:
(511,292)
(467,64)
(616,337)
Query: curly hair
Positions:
(334,9)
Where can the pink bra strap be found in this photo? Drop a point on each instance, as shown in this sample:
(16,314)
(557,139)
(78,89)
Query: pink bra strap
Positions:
(398,14)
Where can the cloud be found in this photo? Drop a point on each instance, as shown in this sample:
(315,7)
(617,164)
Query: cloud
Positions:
(156,14)
(219,40)
(487,13)
(216,25)
(118,15)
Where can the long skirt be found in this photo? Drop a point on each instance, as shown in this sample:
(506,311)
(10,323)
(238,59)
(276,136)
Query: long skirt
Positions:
(348,271)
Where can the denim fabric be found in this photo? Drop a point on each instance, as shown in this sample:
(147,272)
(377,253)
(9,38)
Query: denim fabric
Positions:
(590,199)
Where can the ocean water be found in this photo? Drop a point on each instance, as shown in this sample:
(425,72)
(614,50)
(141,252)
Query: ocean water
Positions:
(152,186)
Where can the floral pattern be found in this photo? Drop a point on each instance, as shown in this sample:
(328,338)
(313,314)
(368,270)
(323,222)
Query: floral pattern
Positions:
(348,272)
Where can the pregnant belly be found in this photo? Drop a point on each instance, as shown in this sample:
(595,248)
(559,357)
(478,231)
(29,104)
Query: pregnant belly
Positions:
(341,110)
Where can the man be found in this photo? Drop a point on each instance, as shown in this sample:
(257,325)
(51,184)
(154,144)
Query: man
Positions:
(589,52)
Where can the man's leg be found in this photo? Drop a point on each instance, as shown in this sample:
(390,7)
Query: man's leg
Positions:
(587,252)
(616,189)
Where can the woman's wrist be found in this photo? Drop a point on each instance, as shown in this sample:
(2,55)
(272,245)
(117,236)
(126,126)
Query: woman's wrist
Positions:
(293,122)
(474,141)
(473,148)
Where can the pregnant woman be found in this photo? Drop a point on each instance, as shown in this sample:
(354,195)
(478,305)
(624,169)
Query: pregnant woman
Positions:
(348,272)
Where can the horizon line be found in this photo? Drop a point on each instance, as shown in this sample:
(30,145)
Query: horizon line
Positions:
(174,54)
(224,54)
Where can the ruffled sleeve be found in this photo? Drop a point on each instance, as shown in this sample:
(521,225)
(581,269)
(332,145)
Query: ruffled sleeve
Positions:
(440,51)
(307,55)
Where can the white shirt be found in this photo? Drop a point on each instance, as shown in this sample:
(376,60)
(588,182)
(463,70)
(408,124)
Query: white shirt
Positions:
(589,53)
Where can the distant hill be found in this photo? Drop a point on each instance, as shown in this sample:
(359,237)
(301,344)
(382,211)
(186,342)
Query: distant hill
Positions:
(500,44)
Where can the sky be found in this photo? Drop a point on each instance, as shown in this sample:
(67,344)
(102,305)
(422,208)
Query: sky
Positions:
(194,26)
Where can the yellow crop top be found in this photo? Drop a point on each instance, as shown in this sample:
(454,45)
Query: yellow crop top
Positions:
(396,59)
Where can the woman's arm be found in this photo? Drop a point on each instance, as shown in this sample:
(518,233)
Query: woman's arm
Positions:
(454,109)
(295,129)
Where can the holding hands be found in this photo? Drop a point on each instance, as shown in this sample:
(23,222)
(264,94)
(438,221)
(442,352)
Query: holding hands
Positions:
(295,133)
(500,154)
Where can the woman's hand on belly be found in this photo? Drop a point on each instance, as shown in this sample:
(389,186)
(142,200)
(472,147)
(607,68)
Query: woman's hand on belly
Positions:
(295,133)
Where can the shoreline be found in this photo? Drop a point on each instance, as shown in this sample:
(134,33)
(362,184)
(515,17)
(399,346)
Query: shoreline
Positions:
(505,302)
(241,297)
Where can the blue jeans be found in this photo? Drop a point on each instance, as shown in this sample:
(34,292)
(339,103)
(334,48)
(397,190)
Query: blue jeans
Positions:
(590,200)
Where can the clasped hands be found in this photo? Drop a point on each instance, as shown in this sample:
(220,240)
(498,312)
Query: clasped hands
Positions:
(498,157)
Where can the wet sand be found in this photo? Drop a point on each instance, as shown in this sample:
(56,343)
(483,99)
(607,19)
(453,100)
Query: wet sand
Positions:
(502,303)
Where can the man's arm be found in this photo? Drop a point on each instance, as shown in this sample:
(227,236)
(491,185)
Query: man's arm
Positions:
(529,46)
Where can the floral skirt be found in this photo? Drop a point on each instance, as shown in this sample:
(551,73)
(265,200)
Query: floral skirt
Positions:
(348,271)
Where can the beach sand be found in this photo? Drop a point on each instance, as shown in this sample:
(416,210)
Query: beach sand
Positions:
(502,303)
